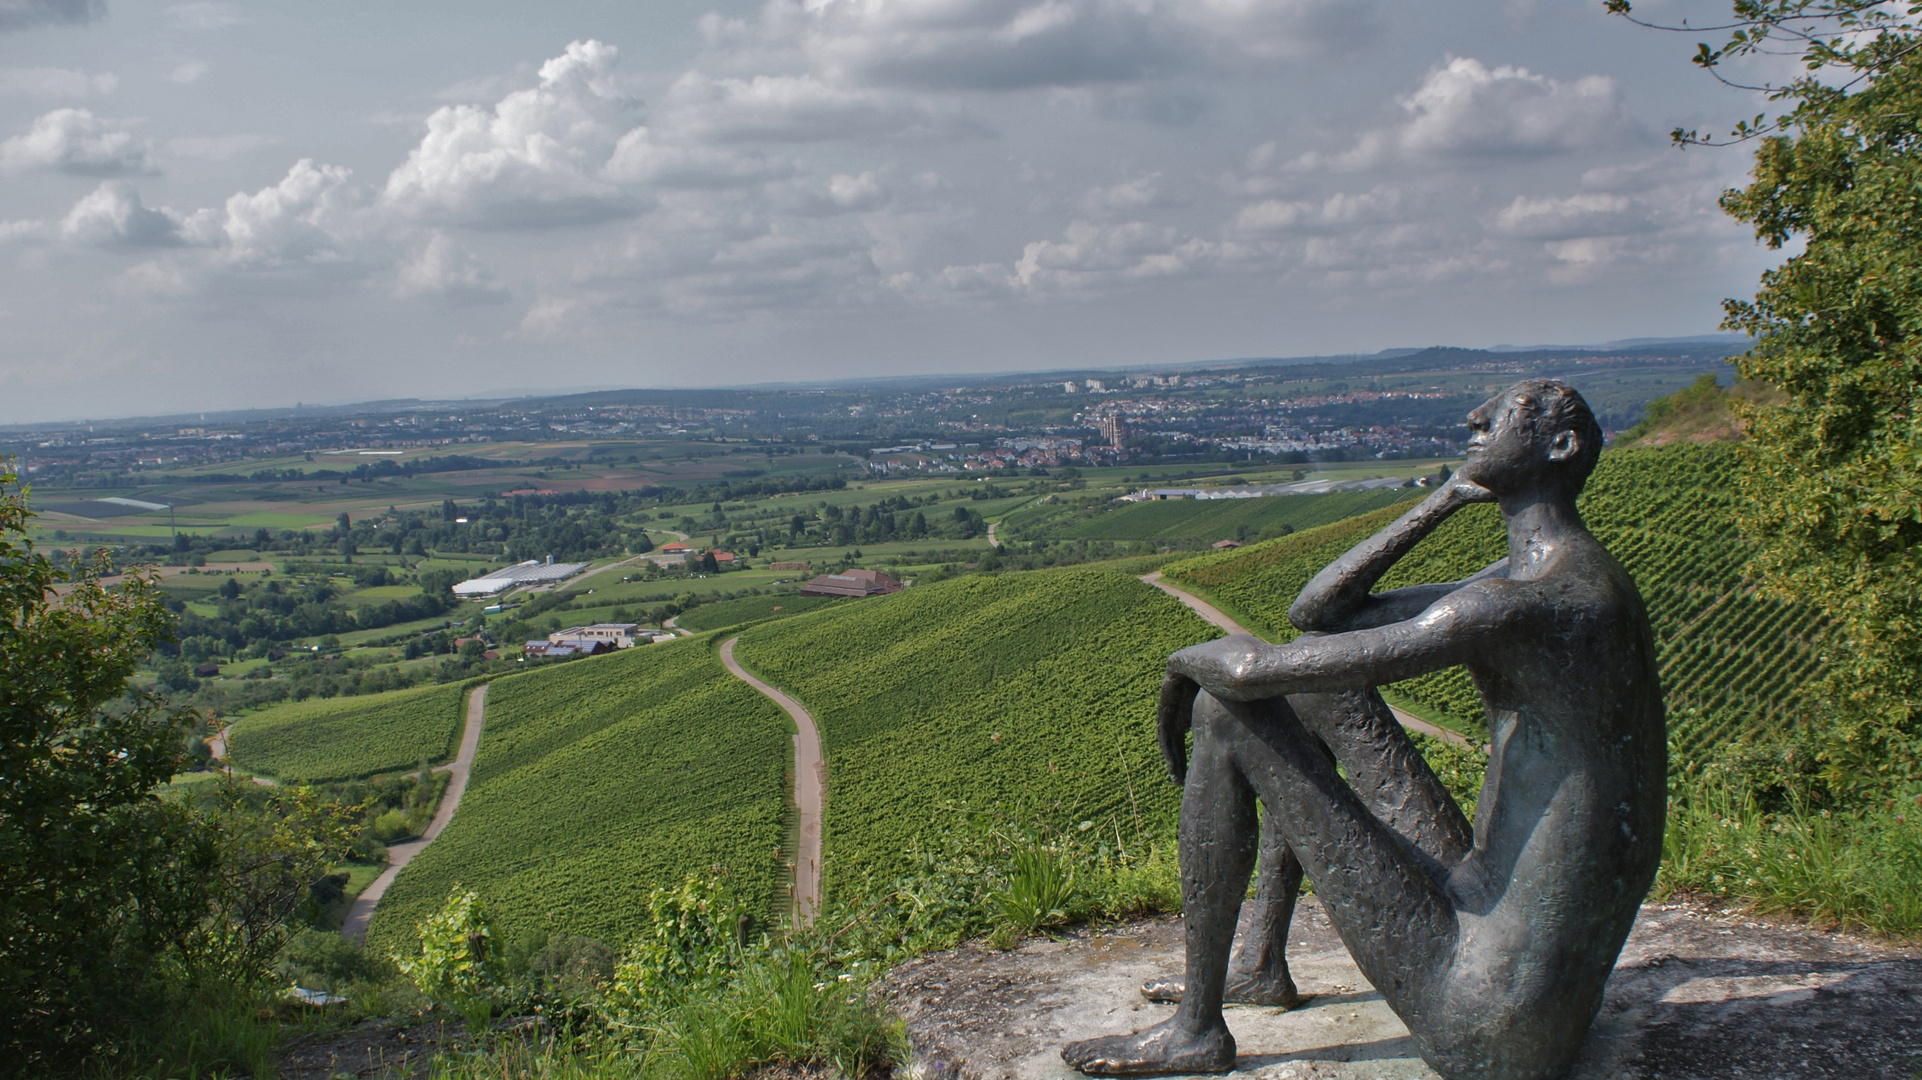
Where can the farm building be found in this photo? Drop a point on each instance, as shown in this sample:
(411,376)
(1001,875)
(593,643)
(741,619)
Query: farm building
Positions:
(620,635)
(527,573)
(851,583)
(566,647)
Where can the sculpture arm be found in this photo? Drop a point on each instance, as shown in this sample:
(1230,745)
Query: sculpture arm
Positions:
(1398,605)
(1449,632)
(1338,597)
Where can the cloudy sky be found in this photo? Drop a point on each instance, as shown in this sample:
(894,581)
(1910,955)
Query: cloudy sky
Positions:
(224,204)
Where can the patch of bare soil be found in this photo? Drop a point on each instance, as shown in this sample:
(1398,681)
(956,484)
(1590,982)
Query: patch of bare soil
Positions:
(1697,994)
(375,1049)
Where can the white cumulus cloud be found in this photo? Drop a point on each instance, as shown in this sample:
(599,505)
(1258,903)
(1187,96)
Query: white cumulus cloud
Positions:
(303,218)
(1468,111)
(1091,255)
(78,142)
(112,215)
(536,159)
(1467,107)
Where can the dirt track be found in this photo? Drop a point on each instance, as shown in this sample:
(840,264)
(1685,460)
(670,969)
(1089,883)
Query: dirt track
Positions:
(809,787)
(399,855)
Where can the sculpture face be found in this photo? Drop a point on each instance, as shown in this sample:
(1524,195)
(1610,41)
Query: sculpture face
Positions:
(1509,450)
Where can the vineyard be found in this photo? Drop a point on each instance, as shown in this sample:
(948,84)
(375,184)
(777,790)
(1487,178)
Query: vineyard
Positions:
(752,609)
(1195,520)
(1030,694)
(599,779)
(349,738)
(1732,661)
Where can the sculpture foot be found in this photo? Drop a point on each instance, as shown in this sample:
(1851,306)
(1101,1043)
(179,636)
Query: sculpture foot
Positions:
(1244,988)
(1158,1051)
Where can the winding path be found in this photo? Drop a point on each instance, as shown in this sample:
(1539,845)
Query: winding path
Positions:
(1216,616)
(399,855)
(809,783)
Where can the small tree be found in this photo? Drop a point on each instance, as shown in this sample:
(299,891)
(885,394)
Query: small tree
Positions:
(456,965)
(1832,482)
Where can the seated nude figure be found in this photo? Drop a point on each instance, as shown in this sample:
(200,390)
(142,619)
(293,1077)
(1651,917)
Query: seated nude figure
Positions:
(1494,945)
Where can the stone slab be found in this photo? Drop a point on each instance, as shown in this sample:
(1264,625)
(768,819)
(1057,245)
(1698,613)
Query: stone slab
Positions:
(1697,993)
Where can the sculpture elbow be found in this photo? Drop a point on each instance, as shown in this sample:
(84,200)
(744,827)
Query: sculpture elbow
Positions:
(1305,616)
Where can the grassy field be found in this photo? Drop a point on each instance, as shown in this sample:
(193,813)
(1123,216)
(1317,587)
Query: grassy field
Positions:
(346,738)
(1732,662)
(1031,694)
(597,780)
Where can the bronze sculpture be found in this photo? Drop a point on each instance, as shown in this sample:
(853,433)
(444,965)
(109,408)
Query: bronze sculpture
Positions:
(1494,945)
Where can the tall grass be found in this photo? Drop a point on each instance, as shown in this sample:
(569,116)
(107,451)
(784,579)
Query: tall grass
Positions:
(1857,868)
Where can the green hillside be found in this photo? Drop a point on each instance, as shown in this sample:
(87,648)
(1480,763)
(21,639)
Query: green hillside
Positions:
(1031,692)
(1196,520)
(349,738)
(599,779)
(752,609)
(1731,661)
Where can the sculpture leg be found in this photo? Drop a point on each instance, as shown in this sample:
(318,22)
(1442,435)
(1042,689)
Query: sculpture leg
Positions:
(1218,827)
(1387,771)
(1368,877)
(1259,973)
(1394,782)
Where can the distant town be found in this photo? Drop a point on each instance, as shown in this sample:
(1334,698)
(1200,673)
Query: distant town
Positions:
(1387,407)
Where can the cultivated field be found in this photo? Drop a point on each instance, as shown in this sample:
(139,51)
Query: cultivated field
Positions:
(349,738)
(1026,695)
(598,780)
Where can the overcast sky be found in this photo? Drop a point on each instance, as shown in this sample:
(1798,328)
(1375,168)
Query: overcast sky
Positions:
(216,205)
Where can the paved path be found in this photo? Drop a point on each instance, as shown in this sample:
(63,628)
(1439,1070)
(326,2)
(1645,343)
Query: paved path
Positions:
(809,782)
(1215,615)
(399,855)
(992,542)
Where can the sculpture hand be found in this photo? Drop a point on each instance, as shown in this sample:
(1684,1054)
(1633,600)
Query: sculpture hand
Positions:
(1223,667)
(1174,716)
(1459,490)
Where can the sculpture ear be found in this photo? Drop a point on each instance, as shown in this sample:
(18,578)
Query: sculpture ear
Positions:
(1565,445)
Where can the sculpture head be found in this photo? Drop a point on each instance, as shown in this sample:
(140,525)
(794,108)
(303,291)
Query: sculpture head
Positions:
(1537,434)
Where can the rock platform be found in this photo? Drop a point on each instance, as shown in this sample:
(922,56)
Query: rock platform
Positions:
(1697,993)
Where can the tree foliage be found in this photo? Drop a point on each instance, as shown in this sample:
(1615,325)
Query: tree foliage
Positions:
(117,902)
(1832,484)
(97,875)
